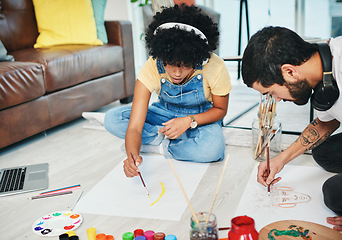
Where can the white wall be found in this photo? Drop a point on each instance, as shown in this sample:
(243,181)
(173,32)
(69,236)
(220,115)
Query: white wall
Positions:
(117,10)
(261,13)
(125,10)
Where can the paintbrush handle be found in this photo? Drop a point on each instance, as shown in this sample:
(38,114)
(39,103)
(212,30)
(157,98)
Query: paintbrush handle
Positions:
(142,180)
(218,187)
(186,197)
(268,165)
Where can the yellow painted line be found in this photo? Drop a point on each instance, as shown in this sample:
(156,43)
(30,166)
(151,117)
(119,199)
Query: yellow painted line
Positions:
(162,193)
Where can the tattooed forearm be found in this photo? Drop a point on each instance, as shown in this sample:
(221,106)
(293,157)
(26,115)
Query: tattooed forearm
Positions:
(322,139)
(309,136)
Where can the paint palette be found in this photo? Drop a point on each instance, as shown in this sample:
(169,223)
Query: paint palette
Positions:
(56,223)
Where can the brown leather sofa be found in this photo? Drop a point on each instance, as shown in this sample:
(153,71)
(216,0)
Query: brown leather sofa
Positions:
(46,87)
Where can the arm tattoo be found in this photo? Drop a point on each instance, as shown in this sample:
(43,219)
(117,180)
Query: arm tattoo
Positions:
(314,122)
(322,139)
(309,136)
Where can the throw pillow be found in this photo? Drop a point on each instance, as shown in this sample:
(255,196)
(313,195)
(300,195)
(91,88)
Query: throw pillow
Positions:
(3,54)
(99,9)
(65,22)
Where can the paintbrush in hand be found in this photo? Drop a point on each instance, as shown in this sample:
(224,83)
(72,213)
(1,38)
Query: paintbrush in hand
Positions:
(142,180)
(268,169)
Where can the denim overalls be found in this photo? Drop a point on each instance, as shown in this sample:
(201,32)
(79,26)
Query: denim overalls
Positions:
(205,143)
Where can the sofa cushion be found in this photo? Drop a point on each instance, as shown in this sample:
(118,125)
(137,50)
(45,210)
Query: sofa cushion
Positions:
(65,22)
(18,27)
(99,10)
(20,82)
(69,65)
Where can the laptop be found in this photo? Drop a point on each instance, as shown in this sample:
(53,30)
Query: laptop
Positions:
(24,179)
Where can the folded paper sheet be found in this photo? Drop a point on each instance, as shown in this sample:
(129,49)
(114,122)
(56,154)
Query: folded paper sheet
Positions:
(298,196)
(118,195)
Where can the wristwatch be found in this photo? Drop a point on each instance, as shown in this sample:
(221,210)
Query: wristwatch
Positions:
(193,123)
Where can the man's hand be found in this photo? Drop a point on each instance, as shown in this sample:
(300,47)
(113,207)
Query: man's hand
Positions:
(175,127)
(266,179)
(131,165)
(336,221)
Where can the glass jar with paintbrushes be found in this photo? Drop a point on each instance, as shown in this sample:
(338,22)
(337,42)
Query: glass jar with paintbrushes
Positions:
(266,128)
(204,227)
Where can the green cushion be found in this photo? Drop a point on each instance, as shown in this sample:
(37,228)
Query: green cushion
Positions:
(99,8)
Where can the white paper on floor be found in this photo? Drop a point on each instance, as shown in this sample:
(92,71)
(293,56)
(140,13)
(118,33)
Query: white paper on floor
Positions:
(118,195)
(298,196)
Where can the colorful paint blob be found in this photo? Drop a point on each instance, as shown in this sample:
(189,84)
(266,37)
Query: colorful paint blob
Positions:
(293,231)
(77,221)
(69,227)
(162,193)
(46,231)
(57,223)
(38,228)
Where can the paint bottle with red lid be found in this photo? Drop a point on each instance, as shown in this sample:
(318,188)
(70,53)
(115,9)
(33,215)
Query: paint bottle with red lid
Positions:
(243,229)
(138,232)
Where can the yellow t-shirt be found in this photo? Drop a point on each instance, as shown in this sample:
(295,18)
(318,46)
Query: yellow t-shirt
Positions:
(216,79)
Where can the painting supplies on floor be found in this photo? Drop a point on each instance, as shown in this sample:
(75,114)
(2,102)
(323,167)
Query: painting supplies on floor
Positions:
(50,195)
(142,180)
(63,189)
(57,223)
(266,115)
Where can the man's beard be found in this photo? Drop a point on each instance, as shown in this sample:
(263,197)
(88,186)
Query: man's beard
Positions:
(300,91)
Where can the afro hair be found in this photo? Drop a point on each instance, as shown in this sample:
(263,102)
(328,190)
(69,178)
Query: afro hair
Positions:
(179,47)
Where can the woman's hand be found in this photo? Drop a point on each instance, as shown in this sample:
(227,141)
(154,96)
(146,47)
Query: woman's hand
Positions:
(131,165)
(175,127)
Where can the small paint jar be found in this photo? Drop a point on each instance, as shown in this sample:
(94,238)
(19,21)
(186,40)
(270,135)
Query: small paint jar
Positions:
(138,232)
(242,228)
(159,236)
(170,237)
(140,238)
(109,237)
(128,236)
(205,228)
(101,236)
(149,234)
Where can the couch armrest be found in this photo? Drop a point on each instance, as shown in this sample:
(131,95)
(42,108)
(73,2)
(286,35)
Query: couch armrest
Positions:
(120,33)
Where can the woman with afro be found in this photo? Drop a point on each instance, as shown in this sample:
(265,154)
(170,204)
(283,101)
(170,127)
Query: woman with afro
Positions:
(192,84)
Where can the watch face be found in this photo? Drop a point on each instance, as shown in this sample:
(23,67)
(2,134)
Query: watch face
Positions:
(193,124)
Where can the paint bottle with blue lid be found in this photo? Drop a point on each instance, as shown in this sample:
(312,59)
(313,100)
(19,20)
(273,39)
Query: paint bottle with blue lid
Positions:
(170,237)
(140,238)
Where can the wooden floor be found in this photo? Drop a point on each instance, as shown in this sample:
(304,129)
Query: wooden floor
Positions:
(81,156)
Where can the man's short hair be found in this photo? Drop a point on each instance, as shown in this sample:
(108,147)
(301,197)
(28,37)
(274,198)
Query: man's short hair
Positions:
(268,50)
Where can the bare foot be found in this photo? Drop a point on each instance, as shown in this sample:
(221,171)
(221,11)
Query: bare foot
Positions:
(336,221)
